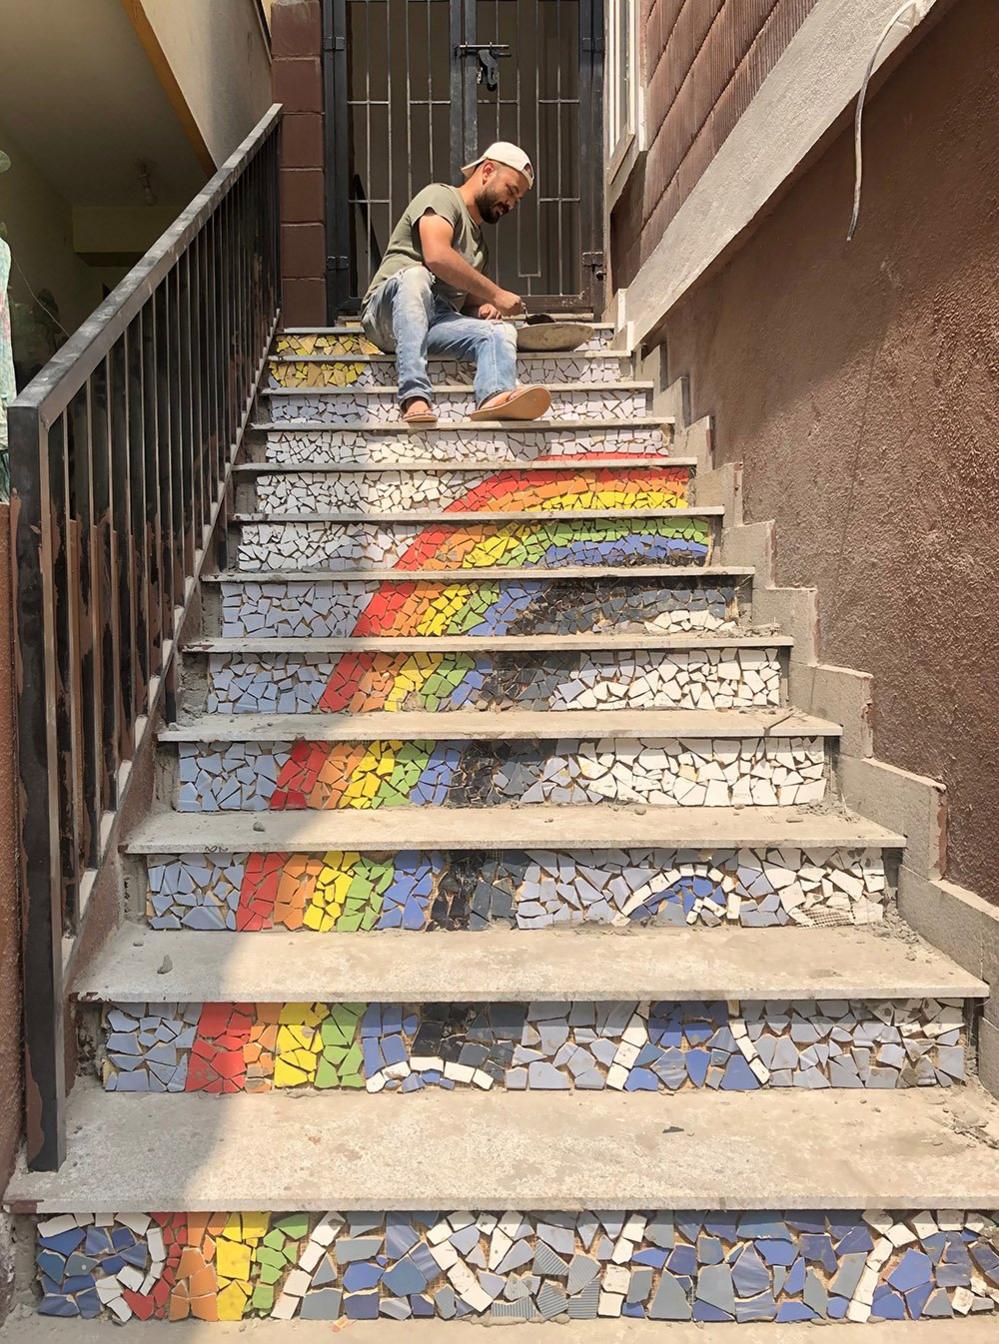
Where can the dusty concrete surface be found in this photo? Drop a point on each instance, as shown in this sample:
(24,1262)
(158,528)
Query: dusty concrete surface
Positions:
(923,1148)
(599,826)
(10,932)
(502,965)
(859,385)
(511,725)
(35,1330)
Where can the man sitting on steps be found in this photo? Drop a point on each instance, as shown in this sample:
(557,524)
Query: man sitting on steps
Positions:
(429,296)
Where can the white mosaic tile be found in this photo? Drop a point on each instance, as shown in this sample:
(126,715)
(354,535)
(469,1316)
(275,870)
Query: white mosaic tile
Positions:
(375,371)
(469,606)
(596,403)
(772,771)
(490,444)
(536,889)
(295,683)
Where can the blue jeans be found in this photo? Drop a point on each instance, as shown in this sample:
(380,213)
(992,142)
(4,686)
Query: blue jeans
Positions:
(404,315)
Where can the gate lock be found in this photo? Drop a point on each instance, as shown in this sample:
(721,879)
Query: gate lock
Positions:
(487,54)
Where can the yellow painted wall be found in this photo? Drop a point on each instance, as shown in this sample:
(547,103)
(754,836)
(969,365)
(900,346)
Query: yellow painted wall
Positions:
(219,58)
(39,229)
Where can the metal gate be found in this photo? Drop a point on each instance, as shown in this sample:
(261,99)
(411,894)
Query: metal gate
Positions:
(415,88)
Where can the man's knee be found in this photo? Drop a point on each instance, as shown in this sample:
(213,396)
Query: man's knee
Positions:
(501,335)
(415,282)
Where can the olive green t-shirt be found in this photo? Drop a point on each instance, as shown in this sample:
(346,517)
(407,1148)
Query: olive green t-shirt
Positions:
(405,249)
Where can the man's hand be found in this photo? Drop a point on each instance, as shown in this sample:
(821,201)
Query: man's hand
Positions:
(507,304)
(488,312)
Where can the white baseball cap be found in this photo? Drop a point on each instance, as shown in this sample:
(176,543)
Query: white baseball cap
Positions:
(502,151)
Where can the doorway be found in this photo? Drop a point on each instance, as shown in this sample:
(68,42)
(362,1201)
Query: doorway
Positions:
(415,88)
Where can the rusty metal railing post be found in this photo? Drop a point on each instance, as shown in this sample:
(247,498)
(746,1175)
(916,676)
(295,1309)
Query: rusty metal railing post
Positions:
(39,851)
(121,450)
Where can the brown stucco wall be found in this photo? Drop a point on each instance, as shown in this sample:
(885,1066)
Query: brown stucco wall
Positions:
(702,63)
(10,971)
(859,384)
(298,84)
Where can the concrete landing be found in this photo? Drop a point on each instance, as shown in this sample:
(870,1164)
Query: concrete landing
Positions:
(512,725)
(921,1148)
(37,1330)
(513,966)
(698,830)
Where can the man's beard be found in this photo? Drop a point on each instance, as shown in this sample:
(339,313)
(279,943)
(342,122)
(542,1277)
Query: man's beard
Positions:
(491,209)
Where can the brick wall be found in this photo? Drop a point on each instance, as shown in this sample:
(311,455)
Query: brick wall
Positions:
(703,62)
(298,84)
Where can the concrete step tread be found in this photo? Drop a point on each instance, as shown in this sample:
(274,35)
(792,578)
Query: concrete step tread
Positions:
(439,516)
(447,389)
(914,1149)
(511,725)
(479,643)
(515,574)
(38,1330)
(616,462)
(700,829)
(382,355)
(355,329)
(511,966)
(468,426)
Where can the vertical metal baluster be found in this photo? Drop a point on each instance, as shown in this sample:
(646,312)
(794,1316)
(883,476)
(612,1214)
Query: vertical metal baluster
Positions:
(117,663)
(140,534)
(63,651)
(39,849)
(150,442)
(104,623)
(120,683)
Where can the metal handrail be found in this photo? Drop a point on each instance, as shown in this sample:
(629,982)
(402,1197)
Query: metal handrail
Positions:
(121,450)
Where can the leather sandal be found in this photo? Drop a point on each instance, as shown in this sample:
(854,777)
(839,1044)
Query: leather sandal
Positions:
(522,403)
(421,419)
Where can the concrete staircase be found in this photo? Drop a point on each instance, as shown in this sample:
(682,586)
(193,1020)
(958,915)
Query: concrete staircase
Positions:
(488,707)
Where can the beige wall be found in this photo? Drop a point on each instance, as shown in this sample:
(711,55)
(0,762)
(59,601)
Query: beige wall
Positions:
(858,382)
(213,47)
(39,226)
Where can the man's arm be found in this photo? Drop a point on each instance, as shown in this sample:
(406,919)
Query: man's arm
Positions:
(436,235)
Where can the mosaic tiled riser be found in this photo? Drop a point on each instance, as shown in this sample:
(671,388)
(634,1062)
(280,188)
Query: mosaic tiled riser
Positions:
(511,1266)
(548,605)
(520,889)
(769,772)
(487,444)
(349,343)
(606,403)
(628,1047)
(381,372)
(534,543)
(656,487)
(356,683)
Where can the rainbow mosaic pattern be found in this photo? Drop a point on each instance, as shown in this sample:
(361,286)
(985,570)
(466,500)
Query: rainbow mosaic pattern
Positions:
(472,605)
(402,544)
(508,1266)
(718,678)
(562,488)
(628,1047)
(352,892)
(661,772)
